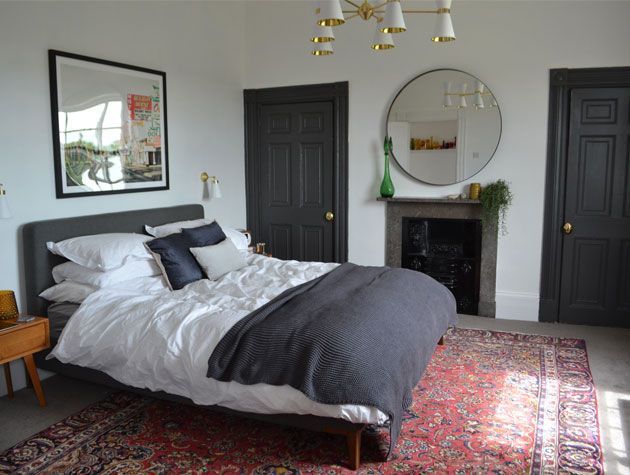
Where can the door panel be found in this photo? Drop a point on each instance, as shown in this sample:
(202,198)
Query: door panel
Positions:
(595,279)
(280,236)
(590,257)
(279,186)
(624,277)
(297,176)
(595,175)
(626,191)
(312,167)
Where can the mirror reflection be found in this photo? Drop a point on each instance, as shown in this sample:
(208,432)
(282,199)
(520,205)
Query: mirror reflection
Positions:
(445,126)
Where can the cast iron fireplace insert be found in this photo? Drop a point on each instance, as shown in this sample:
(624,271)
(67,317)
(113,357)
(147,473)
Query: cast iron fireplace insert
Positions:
(449,250)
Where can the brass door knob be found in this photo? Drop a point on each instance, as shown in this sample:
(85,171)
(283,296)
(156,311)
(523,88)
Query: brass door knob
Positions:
(567,228)
(329,216)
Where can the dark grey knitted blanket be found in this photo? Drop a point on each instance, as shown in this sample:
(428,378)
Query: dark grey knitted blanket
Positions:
(357,335)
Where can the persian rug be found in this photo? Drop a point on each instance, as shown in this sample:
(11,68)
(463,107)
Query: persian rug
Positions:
(489,402)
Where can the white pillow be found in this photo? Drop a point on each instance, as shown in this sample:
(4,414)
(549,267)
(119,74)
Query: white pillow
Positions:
(84,275)
(240,240)
(102,251)
(219,259)
(68,291)
(176,227)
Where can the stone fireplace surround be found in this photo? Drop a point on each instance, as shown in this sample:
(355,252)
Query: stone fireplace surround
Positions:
(398,208)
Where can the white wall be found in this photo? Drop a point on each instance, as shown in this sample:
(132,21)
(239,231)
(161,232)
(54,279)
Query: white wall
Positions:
(200,47)
(508,45)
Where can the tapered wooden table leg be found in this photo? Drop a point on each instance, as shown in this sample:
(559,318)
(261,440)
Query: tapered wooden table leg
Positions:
(7,379)
(354,449)
(441,340)
(32,372)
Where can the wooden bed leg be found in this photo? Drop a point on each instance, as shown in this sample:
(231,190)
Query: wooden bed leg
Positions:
(354,449)
(441,340)
(353,440)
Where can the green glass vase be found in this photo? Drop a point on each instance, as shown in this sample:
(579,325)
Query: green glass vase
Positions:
(387,186)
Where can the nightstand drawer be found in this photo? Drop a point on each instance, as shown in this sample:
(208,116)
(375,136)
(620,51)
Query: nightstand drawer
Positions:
(23,340)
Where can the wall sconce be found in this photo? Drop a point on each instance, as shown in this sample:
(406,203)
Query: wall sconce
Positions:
(216,189)
(5,211)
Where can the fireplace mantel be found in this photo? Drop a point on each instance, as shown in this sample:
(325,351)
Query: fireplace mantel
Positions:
(412,199)
(401,207)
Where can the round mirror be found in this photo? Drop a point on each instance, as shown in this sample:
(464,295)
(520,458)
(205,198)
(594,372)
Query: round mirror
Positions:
(445,126)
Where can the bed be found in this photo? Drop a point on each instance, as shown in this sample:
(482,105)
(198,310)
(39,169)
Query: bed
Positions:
(38,262)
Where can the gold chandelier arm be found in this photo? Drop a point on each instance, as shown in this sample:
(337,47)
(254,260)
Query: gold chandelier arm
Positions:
(352,3)
(380,5)
(420,11)
(350,17)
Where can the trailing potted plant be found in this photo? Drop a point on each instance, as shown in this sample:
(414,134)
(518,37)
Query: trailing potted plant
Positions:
(495,199)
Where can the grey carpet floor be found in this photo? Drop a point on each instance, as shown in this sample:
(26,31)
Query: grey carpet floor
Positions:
(608,350)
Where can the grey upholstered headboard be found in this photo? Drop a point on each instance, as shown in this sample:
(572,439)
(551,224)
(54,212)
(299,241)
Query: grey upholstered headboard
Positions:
(38,262)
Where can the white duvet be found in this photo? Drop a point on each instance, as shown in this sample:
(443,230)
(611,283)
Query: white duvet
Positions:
(153,338)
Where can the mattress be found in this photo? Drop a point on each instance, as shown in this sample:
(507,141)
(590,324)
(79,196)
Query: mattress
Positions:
(58,315)
(162,340)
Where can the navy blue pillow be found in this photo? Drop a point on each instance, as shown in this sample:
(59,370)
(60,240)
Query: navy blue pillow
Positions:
(176,260)
(207,235)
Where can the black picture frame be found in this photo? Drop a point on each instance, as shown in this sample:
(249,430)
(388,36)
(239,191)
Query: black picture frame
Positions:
(143,175)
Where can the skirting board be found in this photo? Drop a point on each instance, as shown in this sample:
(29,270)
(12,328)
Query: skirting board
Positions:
(517,306)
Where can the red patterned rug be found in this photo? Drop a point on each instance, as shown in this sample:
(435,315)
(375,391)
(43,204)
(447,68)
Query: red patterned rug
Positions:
(489,402)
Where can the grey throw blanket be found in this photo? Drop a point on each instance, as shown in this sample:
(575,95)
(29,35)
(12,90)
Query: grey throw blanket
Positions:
(357,335)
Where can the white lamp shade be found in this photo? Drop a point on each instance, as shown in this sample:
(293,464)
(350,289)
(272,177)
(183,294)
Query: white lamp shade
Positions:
(444,24)
(394,22)
(216,190)
(448,100)
(322,34)
(5,211)
(478,101)
(330,13)
(462,97)
(382,41)
(322,49)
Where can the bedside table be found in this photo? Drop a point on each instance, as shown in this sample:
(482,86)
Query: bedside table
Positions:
(21,341)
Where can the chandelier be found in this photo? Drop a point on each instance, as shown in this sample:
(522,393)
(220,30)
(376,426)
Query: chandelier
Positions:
(477,95)
(389,20)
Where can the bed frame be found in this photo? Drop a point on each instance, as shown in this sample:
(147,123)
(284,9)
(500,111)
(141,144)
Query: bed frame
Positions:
(37,267)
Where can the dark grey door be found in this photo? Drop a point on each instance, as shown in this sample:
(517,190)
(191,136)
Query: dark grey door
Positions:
(595,283)
(297,180)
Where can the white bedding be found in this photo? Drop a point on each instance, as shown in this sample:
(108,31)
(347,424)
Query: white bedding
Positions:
(161,340)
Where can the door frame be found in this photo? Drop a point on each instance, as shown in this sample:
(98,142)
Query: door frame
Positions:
(337,93)
(561,83)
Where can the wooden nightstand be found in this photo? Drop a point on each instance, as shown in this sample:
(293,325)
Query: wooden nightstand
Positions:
(21,341)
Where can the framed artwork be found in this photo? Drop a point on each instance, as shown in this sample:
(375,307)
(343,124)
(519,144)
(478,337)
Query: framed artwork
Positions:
(109,126)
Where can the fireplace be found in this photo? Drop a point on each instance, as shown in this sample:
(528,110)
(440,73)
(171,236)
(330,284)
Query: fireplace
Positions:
(478,235)
(449,250)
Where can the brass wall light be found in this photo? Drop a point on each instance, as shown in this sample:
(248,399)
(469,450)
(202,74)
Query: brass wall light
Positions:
(388,20)
(216,189)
